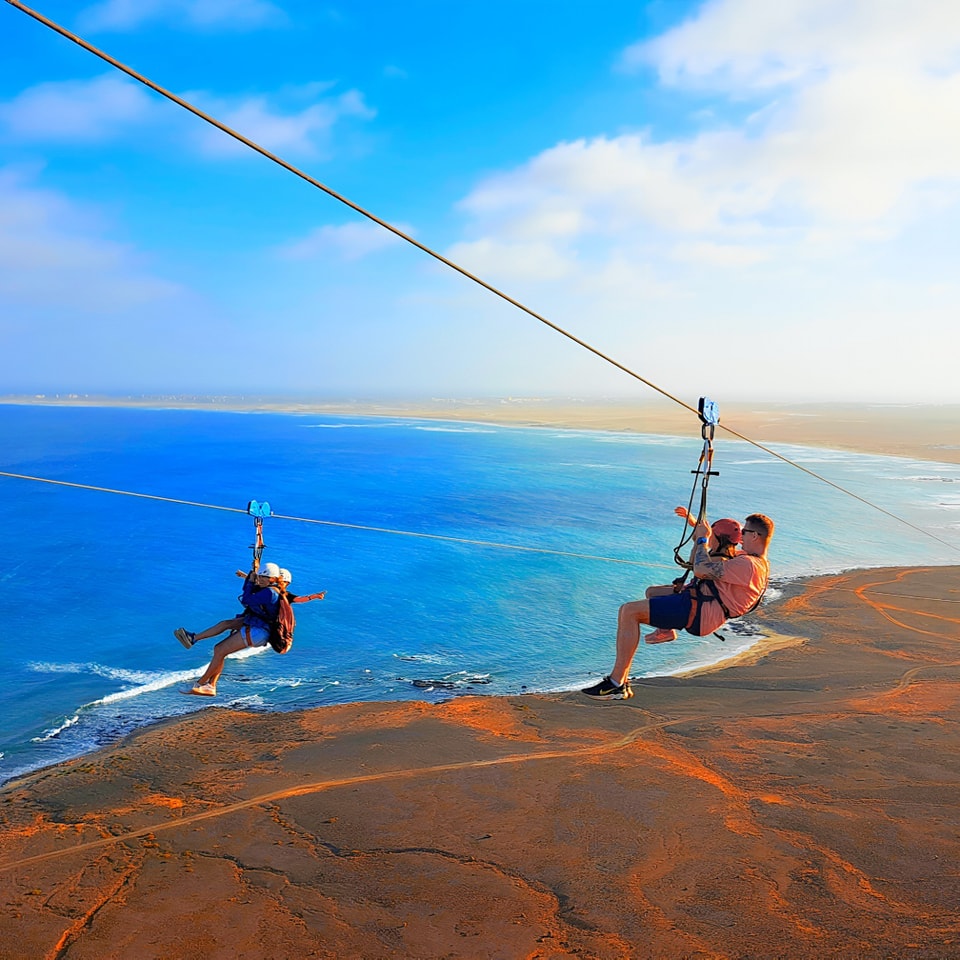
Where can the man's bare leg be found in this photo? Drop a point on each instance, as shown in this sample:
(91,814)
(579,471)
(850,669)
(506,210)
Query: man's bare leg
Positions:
(629,618)
(663,591)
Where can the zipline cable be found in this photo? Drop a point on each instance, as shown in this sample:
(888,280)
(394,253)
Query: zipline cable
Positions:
(296,171)
(186,105)
(837,486)
(344,526)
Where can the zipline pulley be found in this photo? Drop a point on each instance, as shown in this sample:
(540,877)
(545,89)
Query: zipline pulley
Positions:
(258,511)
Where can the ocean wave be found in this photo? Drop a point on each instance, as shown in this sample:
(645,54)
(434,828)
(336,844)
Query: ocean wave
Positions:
(56,731)
(160,682)
(144,684)
(923,479)
(97,669)
(452,429)
(252,700)
(379,424)
(144,681)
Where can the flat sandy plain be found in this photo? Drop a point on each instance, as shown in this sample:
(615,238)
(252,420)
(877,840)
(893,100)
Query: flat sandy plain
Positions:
(924,431)
(801,803)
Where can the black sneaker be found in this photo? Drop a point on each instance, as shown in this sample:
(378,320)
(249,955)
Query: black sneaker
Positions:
(185,637)
(606,688)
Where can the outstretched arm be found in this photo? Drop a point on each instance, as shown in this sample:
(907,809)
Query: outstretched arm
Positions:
(704,566)
(307,598)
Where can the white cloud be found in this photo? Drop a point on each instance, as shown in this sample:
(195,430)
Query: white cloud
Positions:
(88,111)
(486,258)
(860,136)
(119,15)
(720,254)
(283,130)
(794,203)
(112,107)
(746,45)
(348,241)
(85,311)
(53,255)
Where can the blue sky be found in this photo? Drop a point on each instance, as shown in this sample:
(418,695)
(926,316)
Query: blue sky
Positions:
(746,199)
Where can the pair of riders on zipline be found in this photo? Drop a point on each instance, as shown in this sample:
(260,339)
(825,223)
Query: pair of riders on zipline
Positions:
(267,618)
(727,583)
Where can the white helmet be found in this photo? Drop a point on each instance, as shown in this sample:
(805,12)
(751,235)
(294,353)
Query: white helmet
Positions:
(270,570)
(284,575)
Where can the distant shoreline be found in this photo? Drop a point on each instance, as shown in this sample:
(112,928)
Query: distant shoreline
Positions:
(919,431)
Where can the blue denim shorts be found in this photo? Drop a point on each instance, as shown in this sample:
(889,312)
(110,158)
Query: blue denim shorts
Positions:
(255,635)
(671,612)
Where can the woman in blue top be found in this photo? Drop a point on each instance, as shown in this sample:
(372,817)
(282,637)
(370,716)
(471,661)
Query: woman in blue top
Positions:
(260,599)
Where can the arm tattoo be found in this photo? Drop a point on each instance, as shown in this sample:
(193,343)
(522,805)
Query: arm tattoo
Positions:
(705,566)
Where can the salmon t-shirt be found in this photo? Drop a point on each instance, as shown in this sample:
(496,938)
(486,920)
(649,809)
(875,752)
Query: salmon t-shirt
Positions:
(743,583)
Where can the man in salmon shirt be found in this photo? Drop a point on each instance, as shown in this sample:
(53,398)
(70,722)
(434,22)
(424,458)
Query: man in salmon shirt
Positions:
(722,588)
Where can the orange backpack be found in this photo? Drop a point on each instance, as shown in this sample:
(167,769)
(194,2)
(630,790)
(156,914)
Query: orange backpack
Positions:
(281,631)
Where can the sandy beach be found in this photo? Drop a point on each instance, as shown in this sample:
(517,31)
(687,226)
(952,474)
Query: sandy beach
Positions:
(803,805)
(922,431)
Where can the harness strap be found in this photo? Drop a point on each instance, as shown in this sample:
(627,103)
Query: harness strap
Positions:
(707,590)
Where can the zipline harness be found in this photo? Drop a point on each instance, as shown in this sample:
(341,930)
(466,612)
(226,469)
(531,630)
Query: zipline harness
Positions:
(702,588)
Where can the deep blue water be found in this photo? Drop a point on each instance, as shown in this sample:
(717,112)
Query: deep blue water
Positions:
(94,582)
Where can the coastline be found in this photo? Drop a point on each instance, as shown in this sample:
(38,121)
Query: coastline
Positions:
(920,431)
(804,798)
(764,645)
(99,725)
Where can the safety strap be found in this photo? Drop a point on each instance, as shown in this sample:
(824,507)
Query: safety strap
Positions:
(258,511)
(705,588)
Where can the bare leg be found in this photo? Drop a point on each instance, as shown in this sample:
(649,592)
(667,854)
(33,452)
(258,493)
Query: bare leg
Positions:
(221,651)
(629,618)
(222,627)
(661,635)
(664,591)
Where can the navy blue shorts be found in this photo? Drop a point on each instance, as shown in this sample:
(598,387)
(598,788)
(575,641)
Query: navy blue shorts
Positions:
(671,612)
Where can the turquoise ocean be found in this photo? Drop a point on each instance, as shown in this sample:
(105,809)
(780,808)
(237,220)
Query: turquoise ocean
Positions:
(94,583)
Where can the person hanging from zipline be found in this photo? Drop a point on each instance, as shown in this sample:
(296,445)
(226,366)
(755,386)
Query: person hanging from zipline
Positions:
(723,588)
(725,583)
(266,617)
(725,536)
